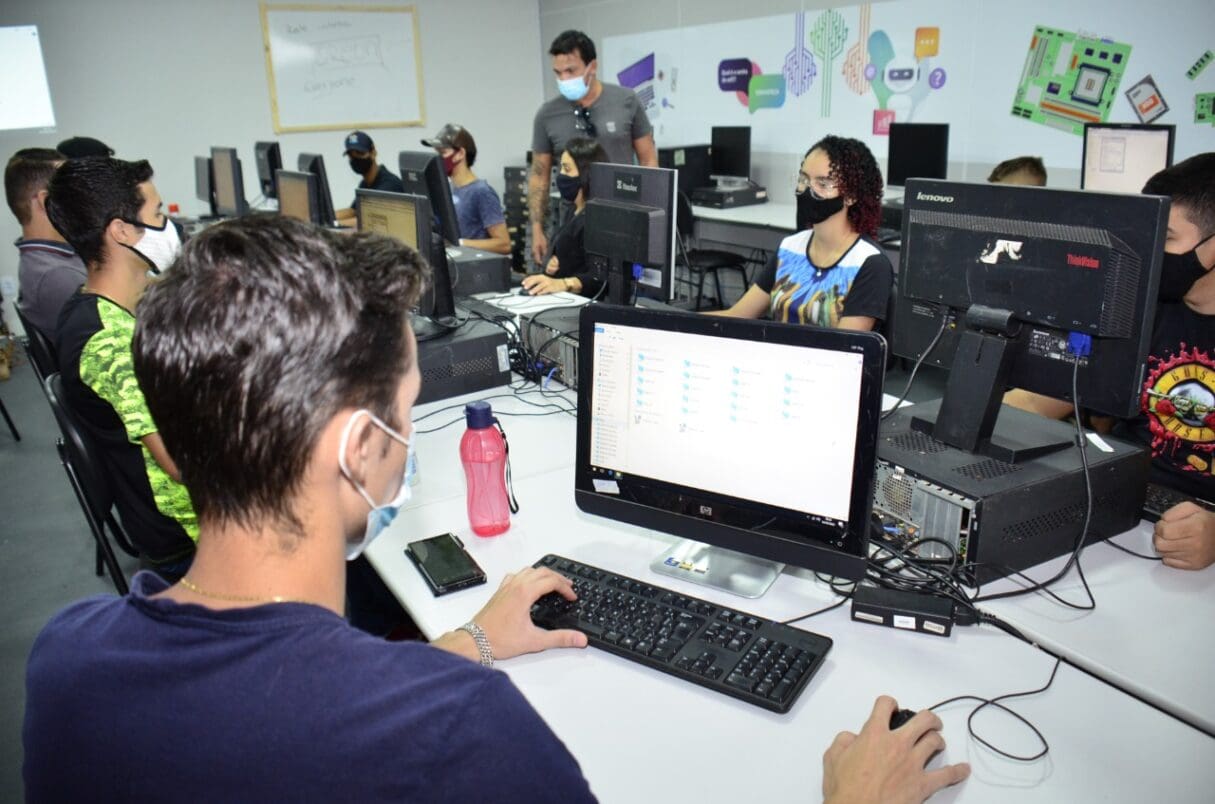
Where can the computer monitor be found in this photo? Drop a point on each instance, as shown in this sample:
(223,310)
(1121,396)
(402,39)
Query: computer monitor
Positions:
(269,162)
(1121,157)
(298,197)
(422,174)
(229,183)
(315,164)
(676,418)
(407,218)
(730,152)
(630,230)
(917,151)
(204,184)
(1032,281)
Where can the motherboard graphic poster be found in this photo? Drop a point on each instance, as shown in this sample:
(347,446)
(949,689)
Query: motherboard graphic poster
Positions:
(1069,79)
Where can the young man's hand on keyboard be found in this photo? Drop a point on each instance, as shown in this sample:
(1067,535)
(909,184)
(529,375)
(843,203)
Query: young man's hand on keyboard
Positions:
(1185,537)
(888,766)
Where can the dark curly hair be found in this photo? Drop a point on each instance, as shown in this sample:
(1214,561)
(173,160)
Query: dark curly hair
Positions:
(856,171)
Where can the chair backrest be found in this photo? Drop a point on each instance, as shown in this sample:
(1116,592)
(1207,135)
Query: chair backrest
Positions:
(39,349)
(684,220)
(86,460)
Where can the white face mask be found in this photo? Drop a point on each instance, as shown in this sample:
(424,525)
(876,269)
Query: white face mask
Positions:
(379,516)
(159,245)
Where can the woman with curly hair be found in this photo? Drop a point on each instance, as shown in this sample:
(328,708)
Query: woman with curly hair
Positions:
(831,273)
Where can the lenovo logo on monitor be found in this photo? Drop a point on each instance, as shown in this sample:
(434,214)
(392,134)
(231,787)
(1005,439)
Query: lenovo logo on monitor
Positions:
(940,199)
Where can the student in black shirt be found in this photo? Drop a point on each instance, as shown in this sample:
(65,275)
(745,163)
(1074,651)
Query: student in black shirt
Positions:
(360,151)
(565,265)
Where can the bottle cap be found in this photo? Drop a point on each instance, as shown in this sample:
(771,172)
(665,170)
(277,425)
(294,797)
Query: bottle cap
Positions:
(479,415)
(174,209)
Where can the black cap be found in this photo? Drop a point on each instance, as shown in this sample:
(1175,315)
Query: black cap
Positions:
(359,141)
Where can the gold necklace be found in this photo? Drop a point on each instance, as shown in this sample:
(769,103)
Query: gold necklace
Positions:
(234,598)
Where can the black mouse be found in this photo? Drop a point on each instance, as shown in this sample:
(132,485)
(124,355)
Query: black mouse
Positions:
(900,716)
(524,292)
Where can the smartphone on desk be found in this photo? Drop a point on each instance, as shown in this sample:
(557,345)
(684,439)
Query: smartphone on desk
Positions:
(444,563)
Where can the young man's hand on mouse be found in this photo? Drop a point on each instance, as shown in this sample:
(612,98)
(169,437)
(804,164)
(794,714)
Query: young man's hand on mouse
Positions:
(888,766)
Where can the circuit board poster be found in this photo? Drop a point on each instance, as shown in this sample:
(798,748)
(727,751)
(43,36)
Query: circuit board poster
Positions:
(1069,79)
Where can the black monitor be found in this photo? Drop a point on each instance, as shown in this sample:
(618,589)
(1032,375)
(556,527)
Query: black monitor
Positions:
(917,151)
(315,164)
(298,197)
(269,162)
(204,184)
(408,219)
(1035,283)
(676,416)
(730,152)
(630,230)
(229,183)
(1121,157)
(422,174)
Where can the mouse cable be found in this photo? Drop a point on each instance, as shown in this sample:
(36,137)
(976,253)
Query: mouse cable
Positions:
(1078,548)
(919,362)
(997,703)
(1129,551)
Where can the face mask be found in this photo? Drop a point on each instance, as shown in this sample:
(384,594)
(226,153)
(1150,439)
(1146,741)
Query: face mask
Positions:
(449,164)
(568,186)
(811,209)
(360,165)
(1179,272)
(574,89)
(159,245)
(380,516)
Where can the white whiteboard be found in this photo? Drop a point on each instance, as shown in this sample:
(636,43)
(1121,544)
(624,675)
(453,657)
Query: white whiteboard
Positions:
(343,67)
(25,97)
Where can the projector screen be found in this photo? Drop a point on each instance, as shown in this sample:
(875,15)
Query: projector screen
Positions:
(25,96)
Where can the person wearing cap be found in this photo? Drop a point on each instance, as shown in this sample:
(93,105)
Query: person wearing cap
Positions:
(83,147)
(360,150)
(478,208)
(611,115)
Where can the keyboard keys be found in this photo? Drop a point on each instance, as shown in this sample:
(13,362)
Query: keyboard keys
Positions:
(747,657)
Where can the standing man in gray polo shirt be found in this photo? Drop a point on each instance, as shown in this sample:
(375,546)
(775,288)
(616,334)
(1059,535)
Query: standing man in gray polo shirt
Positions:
(586,107)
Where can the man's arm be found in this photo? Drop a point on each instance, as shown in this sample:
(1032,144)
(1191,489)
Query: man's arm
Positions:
(647,151)
(537,201)
(888,766)
(498,241)
(857,323)
(156,446)
(753,304)
(1046,406)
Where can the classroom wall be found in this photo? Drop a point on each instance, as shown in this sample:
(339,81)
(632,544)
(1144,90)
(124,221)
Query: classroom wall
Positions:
(983,69)
(167,79)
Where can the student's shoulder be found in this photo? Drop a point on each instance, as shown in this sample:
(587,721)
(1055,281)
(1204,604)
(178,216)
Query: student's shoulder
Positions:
(70,632)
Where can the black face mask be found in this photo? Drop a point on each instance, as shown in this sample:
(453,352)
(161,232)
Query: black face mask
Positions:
(568,186)
(1179,272)
(811,209)
(360,165)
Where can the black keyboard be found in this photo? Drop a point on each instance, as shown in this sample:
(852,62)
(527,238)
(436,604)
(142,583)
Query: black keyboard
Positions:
(1162,498)
(753,659)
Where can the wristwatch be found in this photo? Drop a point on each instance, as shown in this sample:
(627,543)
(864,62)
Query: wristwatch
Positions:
(483,649)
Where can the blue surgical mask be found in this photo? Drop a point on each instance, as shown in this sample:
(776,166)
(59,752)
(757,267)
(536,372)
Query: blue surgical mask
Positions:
(574,89)
(380,516)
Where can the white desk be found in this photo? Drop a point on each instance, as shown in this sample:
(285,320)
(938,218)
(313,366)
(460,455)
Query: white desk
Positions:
(761,226)
(641,735)
(1150,633)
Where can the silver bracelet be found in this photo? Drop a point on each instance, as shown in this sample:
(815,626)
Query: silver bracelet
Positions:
(483,649)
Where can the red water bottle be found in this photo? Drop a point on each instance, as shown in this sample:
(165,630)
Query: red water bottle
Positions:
(483,452)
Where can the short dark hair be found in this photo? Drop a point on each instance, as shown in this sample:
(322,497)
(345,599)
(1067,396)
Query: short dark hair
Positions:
(585,152)
(28,171)
(1189,184)
(82,147)
(1019,164)
(86,194)
(856,171)
(573,42)
(464,140)
(263,330)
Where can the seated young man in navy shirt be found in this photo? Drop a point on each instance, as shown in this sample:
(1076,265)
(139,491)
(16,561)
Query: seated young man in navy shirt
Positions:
(289,416)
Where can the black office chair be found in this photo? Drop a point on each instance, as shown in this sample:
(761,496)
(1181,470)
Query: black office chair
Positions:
(700,262)
(82,463)
(39,349)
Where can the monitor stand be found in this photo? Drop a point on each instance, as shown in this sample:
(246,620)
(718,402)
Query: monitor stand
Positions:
(736,573)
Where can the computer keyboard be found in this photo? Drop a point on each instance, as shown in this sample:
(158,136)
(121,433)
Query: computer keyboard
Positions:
(1162,498)
(756,660)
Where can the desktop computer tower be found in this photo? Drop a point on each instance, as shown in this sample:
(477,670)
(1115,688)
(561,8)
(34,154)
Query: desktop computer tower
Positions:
(554,333)
(692,162)
(474,271)
(472,358)
(1002,517)
(727,198)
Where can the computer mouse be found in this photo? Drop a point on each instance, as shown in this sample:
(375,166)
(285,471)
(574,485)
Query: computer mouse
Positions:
(900,716)
(524,292)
